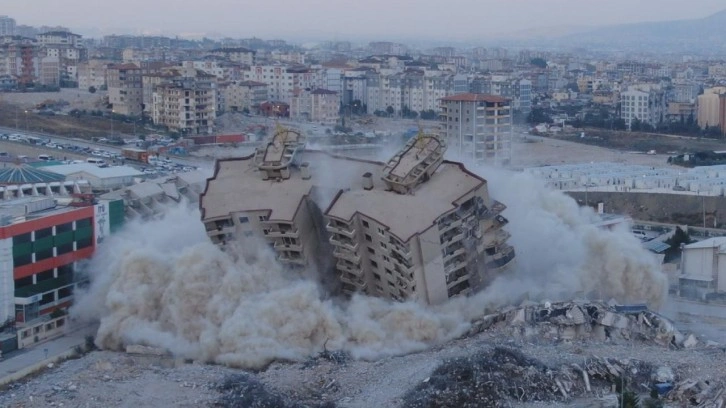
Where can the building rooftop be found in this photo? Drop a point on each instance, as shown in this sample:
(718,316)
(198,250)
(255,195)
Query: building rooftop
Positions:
(237,184)
(94,170)
(475,97)
(716,242)
(404,213)
(24,174)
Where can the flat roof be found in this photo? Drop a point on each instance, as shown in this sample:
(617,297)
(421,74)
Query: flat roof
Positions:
(475,97)
(237,185)
(94,170)
(709,243)
(407,214)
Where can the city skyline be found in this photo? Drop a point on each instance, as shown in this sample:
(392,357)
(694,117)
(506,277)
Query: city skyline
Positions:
(347,20)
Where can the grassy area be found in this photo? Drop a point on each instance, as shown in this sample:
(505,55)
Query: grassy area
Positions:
(84,127)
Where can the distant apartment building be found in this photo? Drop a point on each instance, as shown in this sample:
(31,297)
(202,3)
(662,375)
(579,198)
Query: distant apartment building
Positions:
(241,95)
(319,105)
(7,26)
(187,105)
(416,228)
(645,103)
(125,91)
(235,54)
(711,108)
(478,127)
(92,73)
(282,80)
(386,47)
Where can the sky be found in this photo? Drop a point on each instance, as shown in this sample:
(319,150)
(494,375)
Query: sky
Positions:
(463,20)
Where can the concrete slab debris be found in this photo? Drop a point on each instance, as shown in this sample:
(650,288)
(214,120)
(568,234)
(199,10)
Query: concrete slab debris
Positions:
(569,321)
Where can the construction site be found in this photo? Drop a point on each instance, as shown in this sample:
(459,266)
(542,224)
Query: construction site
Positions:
(268,295)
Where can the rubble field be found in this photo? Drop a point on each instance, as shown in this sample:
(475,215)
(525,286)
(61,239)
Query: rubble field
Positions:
(535,355)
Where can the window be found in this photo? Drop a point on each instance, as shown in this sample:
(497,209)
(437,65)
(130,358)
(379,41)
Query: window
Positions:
(376,276)
(381,231)
(61,228)
(263,218)
(374,264)
(365,224)
(47,298)
(371,251)
(243,220)
(45,275)
(368,238)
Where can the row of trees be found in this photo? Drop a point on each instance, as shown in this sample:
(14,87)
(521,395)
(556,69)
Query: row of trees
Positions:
(407,113)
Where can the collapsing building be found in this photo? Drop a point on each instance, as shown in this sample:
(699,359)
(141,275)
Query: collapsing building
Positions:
(418,227)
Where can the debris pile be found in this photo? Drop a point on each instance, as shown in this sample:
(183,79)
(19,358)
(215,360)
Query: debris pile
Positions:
(502,376)
(699,393)
(569,321)
(244,390)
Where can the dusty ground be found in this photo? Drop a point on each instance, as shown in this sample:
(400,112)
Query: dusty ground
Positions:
(113,379)
(76,98)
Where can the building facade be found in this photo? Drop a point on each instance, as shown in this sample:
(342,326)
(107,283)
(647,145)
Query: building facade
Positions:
(186,105)
(241,95)
(318,105)
(125,91)
(478,127)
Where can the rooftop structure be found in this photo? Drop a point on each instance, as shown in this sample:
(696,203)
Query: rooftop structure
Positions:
(417,227)
(23,174)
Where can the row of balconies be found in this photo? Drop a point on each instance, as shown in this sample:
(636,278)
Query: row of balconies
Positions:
(344,242)
(351,256)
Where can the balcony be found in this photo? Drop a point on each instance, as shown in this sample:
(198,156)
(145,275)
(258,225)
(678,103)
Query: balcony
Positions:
(280,246)
(456,278)
(286,233)
(230,230)
(290,259)
(500,259)
(454,267)
(451,255)
(350,268)
(334,229)
(341,253)
(357,283)
(344,243)
(448,226)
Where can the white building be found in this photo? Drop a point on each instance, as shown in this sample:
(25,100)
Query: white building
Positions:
(646,103)
(282,80)
(703,268)
(100,178)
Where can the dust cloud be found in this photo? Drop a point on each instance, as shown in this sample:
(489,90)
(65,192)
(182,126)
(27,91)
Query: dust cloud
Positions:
(162,283)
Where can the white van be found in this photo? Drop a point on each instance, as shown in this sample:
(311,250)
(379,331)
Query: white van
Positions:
(45,157)
(96,161)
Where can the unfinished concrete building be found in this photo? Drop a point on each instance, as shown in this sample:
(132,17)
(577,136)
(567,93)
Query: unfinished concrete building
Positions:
(418,227)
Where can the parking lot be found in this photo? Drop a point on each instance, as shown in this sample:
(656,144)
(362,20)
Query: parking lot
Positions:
(27,148)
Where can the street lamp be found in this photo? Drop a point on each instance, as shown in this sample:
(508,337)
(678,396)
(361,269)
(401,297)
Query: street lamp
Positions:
(112,113)
(26,120)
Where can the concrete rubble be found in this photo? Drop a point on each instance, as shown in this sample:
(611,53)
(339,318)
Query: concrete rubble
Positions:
(568,321)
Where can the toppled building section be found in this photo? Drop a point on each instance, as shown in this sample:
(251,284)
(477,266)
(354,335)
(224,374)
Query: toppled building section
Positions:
(586,320)
(415,228)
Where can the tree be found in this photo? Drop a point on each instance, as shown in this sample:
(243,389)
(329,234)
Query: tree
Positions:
(390,111)
(92,89)
(246,110)
(538,62)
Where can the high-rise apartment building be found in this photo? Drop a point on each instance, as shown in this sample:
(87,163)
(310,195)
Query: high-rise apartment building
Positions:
(478,127)
(418,227)
(7,26)
(125,89)
(187,104)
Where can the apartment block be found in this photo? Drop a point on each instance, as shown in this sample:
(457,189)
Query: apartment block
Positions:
(187,105)
(92,73)
(7,26)
(416,228)
(240,95)
(125,91)
(238,54)
(646,103)
(318,105)
(711,108)
(478,127)
(282,80)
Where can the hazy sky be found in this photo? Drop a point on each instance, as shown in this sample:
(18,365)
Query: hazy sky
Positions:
(345,19)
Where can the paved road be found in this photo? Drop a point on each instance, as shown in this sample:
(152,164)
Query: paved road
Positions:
(50,349)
